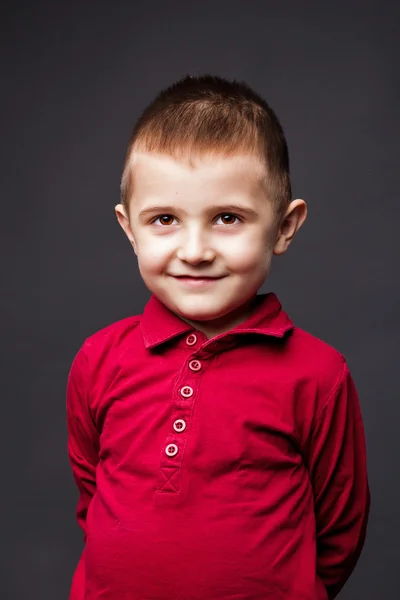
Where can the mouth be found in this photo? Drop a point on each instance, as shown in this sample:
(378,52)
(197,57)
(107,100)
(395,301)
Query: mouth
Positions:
(201,280)
(196,277)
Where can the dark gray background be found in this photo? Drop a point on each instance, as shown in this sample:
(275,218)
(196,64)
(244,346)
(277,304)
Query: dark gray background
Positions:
(75,77)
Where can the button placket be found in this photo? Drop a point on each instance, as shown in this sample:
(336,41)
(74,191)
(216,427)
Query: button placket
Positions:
(176,440)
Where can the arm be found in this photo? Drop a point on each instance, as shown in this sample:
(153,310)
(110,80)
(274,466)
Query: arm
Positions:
(336,456)
(83,450)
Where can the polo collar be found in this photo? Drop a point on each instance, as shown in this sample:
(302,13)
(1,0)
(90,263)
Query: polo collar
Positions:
(159,324)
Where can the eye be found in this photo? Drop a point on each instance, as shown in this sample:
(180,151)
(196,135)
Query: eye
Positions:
(229,219)
(163,220)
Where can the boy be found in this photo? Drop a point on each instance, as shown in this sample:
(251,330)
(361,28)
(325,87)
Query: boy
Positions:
(218,449)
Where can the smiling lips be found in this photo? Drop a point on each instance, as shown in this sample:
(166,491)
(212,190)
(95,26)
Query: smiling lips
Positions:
(196,281)
(196,277)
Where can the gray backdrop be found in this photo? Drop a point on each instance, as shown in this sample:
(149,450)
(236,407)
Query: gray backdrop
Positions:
(75,77)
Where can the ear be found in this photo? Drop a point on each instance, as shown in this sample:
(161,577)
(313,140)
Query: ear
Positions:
(291,222)
(123,220)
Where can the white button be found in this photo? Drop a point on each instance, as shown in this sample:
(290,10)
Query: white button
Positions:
(191,339)
(171,450)
(195,365)
(186,391)
(179,425)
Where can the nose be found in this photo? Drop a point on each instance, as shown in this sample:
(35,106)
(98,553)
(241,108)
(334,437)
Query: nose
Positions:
(195,248)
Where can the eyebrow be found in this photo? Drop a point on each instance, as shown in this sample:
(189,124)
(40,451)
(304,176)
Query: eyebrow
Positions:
(229,208)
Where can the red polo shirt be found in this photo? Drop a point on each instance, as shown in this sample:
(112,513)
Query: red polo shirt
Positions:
(228,468)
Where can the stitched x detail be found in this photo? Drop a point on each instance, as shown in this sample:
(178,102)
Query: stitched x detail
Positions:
(171,475)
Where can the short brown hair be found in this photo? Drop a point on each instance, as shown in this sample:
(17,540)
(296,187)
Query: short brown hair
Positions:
(211,115)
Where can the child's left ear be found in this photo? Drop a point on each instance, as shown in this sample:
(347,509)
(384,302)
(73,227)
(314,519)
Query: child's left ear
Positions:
(123,220)
(291,222)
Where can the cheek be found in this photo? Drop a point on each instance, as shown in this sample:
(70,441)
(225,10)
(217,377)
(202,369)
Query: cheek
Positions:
(152,255)
(255,252)
(149,262)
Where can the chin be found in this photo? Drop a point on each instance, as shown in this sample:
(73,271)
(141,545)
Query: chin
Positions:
(200,313)
(195,315)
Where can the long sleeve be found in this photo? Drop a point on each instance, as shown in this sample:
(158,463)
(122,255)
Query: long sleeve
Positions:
(83,450)
(336,456)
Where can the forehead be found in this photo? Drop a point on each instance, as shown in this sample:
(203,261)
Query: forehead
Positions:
(201,175)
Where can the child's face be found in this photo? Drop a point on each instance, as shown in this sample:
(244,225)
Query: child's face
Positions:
(204,235)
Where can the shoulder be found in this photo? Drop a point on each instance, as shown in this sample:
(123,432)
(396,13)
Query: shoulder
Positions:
(315,374)
(114,339)
(115,333)
(316,361)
